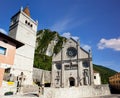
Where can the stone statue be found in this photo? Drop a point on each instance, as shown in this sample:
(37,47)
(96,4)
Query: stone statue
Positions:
(20,82)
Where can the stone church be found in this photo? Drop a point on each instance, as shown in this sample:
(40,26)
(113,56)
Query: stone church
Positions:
(72,66)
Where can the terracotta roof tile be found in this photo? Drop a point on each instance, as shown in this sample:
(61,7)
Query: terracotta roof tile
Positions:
(26,11)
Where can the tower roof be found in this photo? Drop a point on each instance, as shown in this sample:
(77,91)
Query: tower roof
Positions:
(26,11)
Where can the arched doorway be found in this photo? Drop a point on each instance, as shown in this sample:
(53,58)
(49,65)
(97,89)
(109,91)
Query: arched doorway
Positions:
(72,81)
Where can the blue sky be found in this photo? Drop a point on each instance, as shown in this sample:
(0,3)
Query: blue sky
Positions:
(95,22)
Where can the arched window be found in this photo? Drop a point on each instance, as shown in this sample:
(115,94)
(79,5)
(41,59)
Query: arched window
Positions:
(26,21)
(85,64)
(31,25)
(58,66)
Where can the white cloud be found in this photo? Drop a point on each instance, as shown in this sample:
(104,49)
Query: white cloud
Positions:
(68,35)
(110,43)
(3,31)
(86,47)
(61,25)
(66,23)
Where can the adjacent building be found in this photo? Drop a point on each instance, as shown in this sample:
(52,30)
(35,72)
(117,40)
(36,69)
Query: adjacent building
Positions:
(114,81)
(8,48)
(97,78)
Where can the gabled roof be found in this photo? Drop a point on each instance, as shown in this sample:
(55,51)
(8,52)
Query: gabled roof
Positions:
(73,40)
(80,47)
(84,50)
(17,43)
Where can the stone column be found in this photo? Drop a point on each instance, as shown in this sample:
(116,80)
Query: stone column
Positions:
(80,73)
(91,73)
(62,68)
(62,72)
(91,69)
(52,76)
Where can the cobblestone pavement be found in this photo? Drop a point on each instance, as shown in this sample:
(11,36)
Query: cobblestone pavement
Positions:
(108,96)
(34,96)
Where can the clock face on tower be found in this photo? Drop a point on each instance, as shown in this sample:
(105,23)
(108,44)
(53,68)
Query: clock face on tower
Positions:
(71,52)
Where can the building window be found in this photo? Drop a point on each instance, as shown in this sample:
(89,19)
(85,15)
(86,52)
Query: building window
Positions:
(94,77)
(58,66)
(85,64)
(31,25)
(26,22)
(2,50)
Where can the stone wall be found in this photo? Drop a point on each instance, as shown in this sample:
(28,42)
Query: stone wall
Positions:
(37,75)
(77,92)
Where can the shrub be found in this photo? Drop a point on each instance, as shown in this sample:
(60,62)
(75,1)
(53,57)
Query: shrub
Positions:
(9,93)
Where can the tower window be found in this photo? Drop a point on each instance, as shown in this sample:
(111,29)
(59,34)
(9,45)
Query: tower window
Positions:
(2,50)
(26,21)
(31,25)
(94,77)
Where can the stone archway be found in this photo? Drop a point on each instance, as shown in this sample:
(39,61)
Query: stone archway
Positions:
(71,81)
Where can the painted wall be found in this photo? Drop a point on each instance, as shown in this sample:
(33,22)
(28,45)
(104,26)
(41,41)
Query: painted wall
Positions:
(1,75)
(8,58)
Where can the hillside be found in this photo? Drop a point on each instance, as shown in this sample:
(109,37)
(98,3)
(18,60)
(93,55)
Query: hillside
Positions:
(49,42)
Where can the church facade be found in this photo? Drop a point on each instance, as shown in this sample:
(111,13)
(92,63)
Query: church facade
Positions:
(72,66)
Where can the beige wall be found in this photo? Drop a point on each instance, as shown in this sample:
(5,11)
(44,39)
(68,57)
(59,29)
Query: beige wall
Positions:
(114,81)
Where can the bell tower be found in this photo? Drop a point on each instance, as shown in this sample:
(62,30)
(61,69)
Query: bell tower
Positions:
(23,28)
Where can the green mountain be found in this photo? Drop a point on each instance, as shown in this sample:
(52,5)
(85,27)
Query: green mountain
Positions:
(49,42)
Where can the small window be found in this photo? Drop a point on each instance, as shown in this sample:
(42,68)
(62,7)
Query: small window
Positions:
(94,77)
(7,70)
(31,25)
(26,21)
(2,50)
